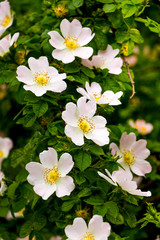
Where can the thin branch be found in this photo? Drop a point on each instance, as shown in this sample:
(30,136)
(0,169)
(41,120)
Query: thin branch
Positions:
(129,75)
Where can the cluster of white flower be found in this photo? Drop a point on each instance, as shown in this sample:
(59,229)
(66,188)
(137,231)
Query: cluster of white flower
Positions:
(81,120)
(6,20)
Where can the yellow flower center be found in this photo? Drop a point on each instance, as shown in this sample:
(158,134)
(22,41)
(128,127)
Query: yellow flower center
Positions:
(1,154)
(51,175)
(60,10)
(82,213)
(97,96)
(6,21)
(141,128)
(88,236)
(128,157)
(71,43)
(41,78)
(20,213)
(86,124)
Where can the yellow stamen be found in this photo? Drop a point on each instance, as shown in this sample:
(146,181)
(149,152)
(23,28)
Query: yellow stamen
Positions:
(82,213)
(51,175)
(60,10)
(86,124)
(88,236)
(140,128)
(71,42)
(97,96)
(6,21)
(128,157)
(1,154)
(21,212)
(41,78)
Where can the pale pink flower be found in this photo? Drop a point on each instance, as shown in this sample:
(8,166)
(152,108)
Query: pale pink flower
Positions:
(41,78)
(3,186)
(26,238)
(141,125)
(6,18)
(132,60)
(16,214)
(93,92)
(56,238)
(6,145)
(132,154)
(106,59)
(81,122)
(96,230)
(72,43)
(50,175)
(7,42)
(124,180)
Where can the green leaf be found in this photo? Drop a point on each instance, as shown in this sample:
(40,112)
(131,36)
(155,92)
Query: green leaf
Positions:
(77,3)
(26,229)
(82,160)
(85,192)
(79,179)
(11,189)
(52,129)
(107,8)
(128,10)
(40,108)
(39,221)
(29,120)
(110,208)
(19,205)
(88,72)
(71,68)
(130,218)
(100,39)
(66,206)
(17,157)
(135,35)
(95,149)
(94,200)
(30,97)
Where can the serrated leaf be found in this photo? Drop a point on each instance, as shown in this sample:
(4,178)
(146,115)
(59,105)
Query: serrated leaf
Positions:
(94,200)
(77,3)
(66,206)
(26,229)
(108,8)
(82,160)
(88,72)
(40,108)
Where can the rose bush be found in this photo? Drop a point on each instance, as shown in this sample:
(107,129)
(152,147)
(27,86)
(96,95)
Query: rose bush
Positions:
(78,124)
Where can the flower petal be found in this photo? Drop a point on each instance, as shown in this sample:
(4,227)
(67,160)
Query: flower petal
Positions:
(38,65)
(85,36)
(140,150)
(99,229)
(72,29)
(107,178)
(99,136)
(127,141)
(25,75)
(109,53)
(37,89)
(65,164)
(36,171)
(57,41)
(48,158)
(64,55)
(115,150)
(83,52)
(141,167)
(87,63)
(77,230)
(58,86)
(76,134)
(86,108)
(14,38)
(64,186)
(71,114)
(44,190)
(99,121)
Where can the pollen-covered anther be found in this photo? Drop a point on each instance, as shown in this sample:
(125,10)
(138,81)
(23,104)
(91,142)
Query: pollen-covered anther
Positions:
(71,42)
(129,157)
(86,124)
(60,10)
(88,236)
(41,78)
(142,128)
(51,175)
(6,21)
(97,96)
(1,154)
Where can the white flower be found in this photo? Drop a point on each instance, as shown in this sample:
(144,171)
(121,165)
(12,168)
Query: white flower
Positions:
(141,125)
(106,59)
(132,154)
(6,145)
(71,44)
(50,175)
(3,186)
(81,122)
(93,92)
(6,18)
(96,230)
(41,78)
(6,43)
(124,180)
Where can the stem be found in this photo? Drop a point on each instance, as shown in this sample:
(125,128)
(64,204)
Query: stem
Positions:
(129,75)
